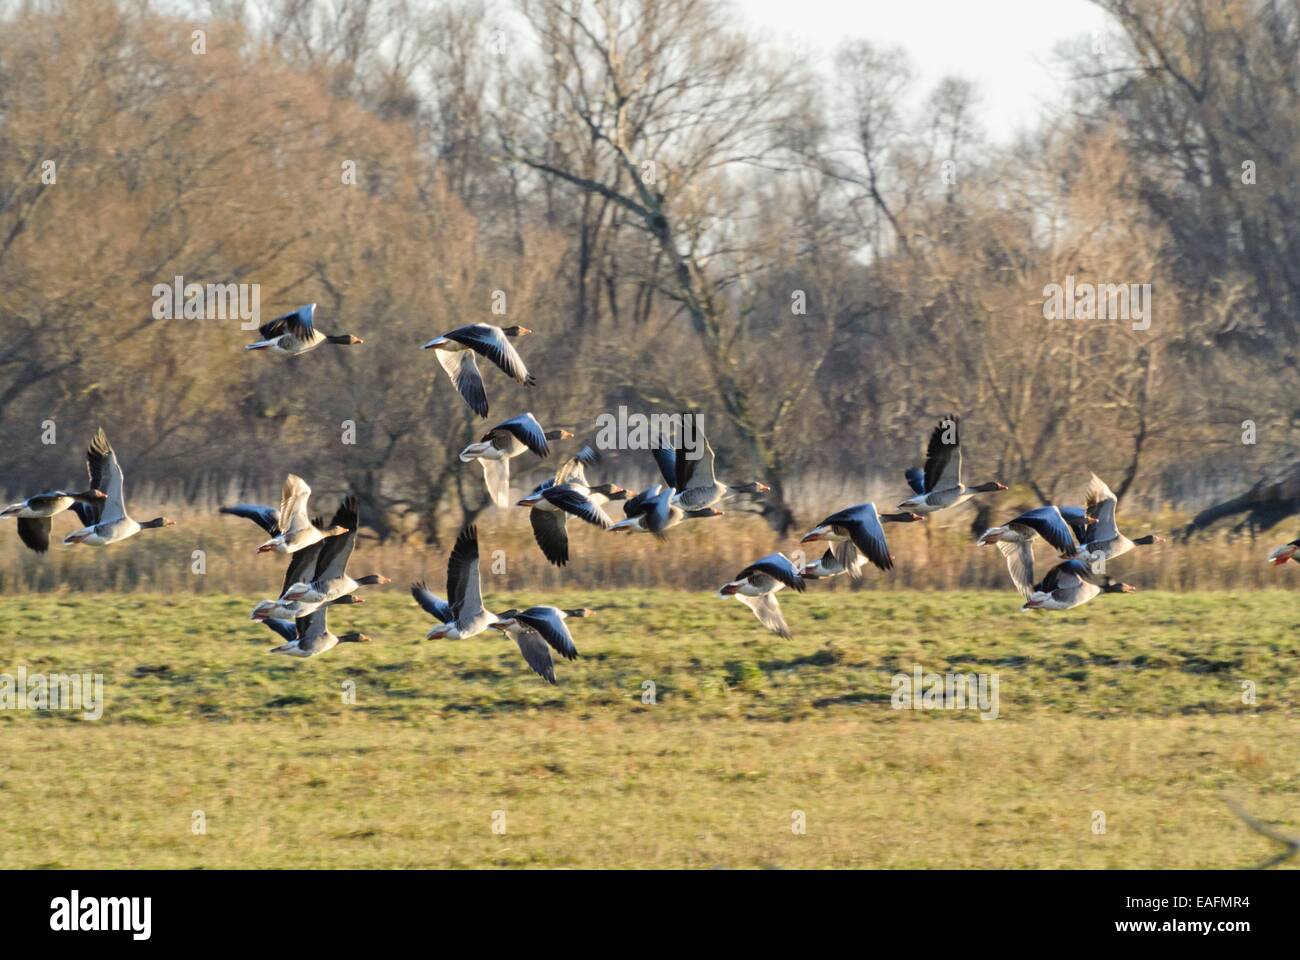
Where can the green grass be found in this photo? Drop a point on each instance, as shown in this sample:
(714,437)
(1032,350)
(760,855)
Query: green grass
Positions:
(1131,706)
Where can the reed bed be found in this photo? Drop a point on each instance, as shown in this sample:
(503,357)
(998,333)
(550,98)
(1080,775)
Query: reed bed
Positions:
(212,553)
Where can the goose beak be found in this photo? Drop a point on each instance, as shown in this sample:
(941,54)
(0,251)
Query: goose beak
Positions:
(811,537)
(265,548)
(762,487)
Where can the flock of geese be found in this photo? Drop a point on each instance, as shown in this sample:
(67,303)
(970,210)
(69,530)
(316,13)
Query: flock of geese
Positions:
(1085,538)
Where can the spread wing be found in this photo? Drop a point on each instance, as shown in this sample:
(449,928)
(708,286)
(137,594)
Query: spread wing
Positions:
(462,368)
(299,323)
(915,479)
(862,523)
(526,430)
(689,472)
(547,622)
(574,467)
(1100,503)
(285,628)
(549,530)
(464,592)
(268,518)
(293,504)
(1048,523)
(768,612)
(536,652)
(577,504)
(942,459)
(666,461)
(35,532)
(430,604)
(491,342)
(1020,564)
(779,568)
(105,475)
(302,566)
(332,561)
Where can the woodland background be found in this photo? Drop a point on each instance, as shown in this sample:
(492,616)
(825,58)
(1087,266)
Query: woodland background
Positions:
(651,187)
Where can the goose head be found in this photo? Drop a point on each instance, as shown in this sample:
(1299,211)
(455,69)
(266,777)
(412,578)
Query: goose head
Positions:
(354,638)
(157,522)
(516,331)
(346,339)
(580,612)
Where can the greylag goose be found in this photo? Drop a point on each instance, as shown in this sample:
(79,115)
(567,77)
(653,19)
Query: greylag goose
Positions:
(1070,584)
(502,444)
(756,588)
(301,569)
(1015,541)
(298,530)
(536,630)
(1105,542)
(294,334)
(568,494)
(330,578)
(830,565)
(939,485)
(859,529)
(35,515)
(106,521)
(695,482)
(462,614)
(312,636)
(1288,551)
(286,626)
(652,511)
(456,351)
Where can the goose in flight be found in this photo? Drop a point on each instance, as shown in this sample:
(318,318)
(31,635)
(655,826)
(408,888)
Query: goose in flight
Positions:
(568,494)
(829,565)
(284,624)
(859,529)
(312,635)
(456,352)
(939,485)
(462,614)
(1015,541)
(105,521)
(538,629)
(1105,542)
(330,578)
(1288,551)
(652,511)
(502,444)
(35,515)
(296,530)
(303,568)
(756,588)
(1070,584)
(294,334)
(694,482)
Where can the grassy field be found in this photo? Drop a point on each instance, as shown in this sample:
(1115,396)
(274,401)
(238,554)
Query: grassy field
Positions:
(1131,707)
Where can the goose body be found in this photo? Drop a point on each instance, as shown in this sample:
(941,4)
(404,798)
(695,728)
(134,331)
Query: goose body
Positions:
(858,530)
(328,566)
(457,350)
(106,520)
(311,635)
(295,334)
(756,587)
(1070,584)
(33,516)
(462,615)
(537,631)
(502,444)
(939,486)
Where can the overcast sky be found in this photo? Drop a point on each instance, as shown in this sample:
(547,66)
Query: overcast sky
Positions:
(1005,46)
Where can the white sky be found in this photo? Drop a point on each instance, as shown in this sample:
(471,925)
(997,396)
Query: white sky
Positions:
(1004,46)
